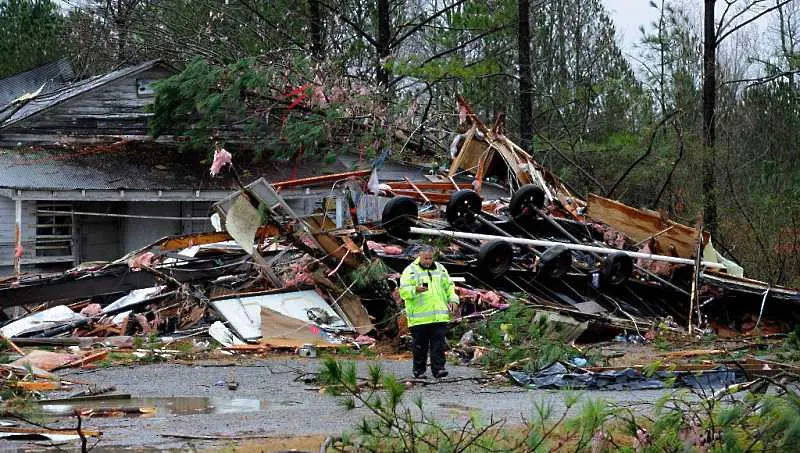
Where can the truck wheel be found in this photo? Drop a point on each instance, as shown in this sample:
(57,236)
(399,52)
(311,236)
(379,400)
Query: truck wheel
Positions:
(524,201)
(399,215)
(555,261)
(617,268)
(462,208)
(494,258)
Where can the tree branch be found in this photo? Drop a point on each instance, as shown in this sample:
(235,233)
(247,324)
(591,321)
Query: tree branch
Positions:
(647,153)
(449,51)
(462,45)
(415,28)
(681,150)
(719,38)
(571,162)
(258,14)
(352,24)
(762,80)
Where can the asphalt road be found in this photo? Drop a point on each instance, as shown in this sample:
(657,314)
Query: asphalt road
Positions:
(270,400)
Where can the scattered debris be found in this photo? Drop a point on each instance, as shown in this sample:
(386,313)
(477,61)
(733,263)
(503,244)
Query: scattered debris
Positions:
(513,236)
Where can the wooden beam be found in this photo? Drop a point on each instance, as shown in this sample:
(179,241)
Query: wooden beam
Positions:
(314,180)
(441,186)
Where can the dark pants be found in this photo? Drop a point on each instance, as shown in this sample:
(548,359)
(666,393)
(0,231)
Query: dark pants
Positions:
(429,337)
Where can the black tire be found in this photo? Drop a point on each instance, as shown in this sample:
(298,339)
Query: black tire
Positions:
(524,200)
(555,261)
(682,276)
(494,258)
(617,268)
(399,215)
(462,208)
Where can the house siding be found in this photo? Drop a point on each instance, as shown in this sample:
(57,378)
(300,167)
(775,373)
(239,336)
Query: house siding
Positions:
(197,209)
(8,230)
(107,112)
(98,237)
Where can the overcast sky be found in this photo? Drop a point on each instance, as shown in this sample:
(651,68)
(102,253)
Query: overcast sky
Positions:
(628,15)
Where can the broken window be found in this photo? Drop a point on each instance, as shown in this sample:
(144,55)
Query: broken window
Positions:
(144,88)
(53,228)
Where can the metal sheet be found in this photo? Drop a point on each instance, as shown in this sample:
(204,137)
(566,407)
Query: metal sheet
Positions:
(48,318)
(243,312)
(137,295)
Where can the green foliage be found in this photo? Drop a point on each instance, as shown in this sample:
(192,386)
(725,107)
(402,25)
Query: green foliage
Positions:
(207,102)
(519,335)
(369,275)
(679,421)
(790,349)
(30,34)
(151,343)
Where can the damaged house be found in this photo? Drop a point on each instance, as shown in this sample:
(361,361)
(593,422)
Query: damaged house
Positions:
(81,180)
(82,132)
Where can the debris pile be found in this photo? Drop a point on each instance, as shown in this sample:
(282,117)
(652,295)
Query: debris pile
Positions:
(508,231)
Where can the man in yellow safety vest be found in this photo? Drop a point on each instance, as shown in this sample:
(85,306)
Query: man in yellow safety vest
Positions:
(429,297)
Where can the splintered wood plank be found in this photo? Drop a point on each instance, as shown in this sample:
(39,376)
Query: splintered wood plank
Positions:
(334,246)
(640,225)
(86,432)
(37,386)
(470,154)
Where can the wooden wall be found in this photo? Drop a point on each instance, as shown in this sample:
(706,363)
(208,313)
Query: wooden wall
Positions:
(110,110)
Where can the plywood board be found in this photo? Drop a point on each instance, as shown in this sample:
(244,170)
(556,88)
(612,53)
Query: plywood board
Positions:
(469,155)
(640,225)
(278,330)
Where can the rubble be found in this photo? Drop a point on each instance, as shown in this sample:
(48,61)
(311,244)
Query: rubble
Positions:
(510,233)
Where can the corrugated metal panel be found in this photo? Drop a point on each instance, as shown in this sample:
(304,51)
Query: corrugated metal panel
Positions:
(52,75)
(130,169)
(47,170)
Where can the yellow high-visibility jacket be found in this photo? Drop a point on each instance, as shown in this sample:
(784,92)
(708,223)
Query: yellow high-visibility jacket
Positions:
(430,306)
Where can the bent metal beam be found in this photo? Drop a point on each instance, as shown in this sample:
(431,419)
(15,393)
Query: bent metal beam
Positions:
(541,243)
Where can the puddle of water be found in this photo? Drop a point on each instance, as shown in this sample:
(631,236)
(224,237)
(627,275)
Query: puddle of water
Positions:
(168,406)
(458,407)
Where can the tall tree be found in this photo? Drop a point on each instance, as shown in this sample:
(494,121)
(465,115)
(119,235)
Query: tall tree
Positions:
(709,123)
(525,84)
(714,34)
(30,34)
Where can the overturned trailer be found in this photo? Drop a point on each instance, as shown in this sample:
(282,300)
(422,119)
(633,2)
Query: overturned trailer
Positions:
(507,229)
(594,256)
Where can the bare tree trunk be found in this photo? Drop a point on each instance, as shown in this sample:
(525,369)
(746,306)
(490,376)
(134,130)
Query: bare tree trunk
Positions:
(525,84)
(122,32)
(383,43)
(709,109)
(315,14)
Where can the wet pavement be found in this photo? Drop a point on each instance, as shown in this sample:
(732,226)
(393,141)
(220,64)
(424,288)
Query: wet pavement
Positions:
(271,400)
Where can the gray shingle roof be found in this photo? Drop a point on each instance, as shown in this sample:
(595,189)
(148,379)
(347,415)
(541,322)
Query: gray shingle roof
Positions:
(68,170)
(49,77)
(13,113)
(120,167)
